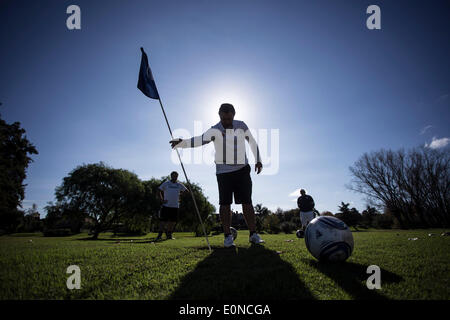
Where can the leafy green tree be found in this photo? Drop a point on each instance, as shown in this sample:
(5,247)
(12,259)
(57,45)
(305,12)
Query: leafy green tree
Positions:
(31,221)
(103,193)
(261,211)
(63,216)
(272,224)
(259,220)
(287,227)
(187,214)
(144,214)
(209,224)
(384,221)
(15,152)
(368,216)
(280,214)
(290,215)
(150,203)
(351,217)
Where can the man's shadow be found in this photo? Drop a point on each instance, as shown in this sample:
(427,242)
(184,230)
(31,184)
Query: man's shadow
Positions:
(243,274)
(352,277)
(124,240)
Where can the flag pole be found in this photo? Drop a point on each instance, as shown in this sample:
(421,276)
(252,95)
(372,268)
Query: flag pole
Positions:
(185,175)
(146,84)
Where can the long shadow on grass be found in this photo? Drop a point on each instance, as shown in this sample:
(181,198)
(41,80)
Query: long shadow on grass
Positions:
(117,240)
(242,273)
(352,278)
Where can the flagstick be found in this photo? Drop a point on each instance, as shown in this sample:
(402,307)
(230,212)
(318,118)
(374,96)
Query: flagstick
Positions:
(187,180)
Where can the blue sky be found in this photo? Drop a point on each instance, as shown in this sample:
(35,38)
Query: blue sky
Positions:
(310,69)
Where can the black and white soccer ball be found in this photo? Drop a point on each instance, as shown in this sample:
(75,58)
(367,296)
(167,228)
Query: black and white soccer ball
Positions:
(233,232)
(300,233)
(329,239)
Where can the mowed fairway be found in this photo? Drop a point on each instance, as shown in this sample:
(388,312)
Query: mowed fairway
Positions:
(34,267)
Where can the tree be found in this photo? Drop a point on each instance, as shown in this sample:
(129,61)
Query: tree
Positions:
(15,152)
(290,215)
(280,214)
(103,193)
(351,217)
(63,216)
(31,221)
(413,186)
(271,223)
(368,216)
(187,214)
(260,210)
(384,221)
(150,205)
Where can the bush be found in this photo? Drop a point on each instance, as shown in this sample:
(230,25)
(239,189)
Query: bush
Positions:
(259,220)
(57,232)
(297,222)
(287,227)
(133,225)
(383,221)
(272,224)
(210,223)
(199,230)
(30,224)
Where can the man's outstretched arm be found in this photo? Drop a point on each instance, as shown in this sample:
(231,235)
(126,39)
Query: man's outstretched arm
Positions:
(193,142)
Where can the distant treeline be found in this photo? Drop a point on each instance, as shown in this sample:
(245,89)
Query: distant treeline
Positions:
(288,221)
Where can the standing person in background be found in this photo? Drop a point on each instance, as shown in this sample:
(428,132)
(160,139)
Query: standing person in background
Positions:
(306,205)
(169,193)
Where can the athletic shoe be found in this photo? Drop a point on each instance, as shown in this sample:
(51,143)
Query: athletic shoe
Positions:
(228,242)
(158,238)
(256,239)
(170,237)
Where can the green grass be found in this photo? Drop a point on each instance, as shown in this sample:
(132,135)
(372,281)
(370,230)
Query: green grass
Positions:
(185,269)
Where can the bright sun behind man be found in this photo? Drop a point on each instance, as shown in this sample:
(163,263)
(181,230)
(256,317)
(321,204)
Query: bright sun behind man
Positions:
(234,92)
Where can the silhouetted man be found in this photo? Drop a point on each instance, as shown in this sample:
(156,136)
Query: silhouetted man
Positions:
(169,193)
(306,204)
(232,168)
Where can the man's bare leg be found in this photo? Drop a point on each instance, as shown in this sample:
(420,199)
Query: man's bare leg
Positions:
(161,228)
(170,226)
(249,215)
(225,217)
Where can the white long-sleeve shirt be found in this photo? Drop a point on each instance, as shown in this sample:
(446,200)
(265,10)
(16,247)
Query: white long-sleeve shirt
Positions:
(229,145)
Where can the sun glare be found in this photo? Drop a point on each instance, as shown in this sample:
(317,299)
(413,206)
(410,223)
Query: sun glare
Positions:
(238,96)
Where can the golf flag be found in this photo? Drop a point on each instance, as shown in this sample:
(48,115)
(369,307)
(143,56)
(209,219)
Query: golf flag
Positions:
(146,83)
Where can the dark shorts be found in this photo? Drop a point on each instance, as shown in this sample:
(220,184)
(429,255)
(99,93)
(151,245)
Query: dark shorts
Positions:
(168,214)
(238,183)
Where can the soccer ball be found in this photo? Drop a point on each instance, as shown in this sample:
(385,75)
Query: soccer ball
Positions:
(300,233)
(329,239)
(233,232)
